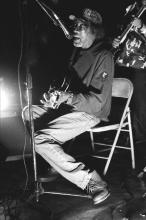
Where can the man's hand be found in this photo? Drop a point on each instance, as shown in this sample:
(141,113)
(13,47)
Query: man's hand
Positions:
(50,99)
(116,42)
(137,23)
(144,2)
(64,97)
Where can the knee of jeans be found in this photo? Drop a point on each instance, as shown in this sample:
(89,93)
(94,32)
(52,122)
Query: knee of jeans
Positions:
(42,142)
(37,148)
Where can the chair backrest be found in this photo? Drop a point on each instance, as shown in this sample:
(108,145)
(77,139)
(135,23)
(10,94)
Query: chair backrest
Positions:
(122,87)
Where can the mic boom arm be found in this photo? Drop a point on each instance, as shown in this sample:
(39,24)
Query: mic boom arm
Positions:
(54,17)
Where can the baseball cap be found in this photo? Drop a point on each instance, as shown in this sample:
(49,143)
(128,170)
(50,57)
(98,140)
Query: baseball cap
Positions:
(88,15)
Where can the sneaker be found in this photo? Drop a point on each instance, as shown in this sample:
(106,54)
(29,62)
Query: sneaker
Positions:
(97,190)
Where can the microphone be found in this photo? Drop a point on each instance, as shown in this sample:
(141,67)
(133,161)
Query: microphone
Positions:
(59,22)
(29,81)
(66,32)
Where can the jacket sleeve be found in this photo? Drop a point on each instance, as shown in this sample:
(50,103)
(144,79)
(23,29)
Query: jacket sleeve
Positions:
(100,86)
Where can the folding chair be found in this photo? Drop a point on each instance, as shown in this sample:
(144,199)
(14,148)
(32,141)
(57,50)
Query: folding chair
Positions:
(122,89)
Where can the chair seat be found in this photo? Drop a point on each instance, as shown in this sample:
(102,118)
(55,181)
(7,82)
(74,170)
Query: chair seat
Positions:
(104,128)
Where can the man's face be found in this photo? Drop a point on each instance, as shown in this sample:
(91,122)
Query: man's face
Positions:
(82,35)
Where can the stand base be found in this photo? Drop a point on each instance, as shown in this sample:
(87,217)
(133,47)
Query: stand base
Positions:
(40,191)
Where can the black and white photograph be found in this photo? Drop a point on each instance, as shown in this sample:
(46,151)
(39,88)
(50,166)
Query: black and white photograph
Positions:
(73,110)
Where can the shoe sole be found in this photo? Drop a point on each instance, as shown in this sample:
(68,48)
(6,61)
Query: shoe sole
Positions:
(97,201)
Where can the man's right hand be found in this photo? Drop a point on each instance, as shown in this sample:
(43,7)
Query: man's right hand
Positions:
(55,99)
(50,99)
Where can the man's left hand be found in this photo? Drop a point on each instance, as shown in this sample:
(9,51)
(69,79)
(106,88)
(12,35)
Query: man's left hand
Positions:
(63,98)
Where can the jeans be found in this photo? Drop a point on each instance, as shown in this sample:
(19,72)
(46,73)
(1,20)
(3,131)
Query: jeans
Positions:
(139,104)
(48,143)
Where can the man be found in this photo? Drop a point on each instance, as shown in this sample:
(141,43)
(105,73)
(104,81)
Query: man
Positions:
(133,57)
(88,103)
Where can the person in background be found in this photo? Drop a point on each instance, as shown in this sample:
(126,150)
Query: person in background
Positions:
(86,100)
(133,57)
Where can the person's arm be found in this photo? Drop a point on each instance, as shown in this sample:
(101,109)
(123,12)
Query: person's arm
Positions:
(100,86)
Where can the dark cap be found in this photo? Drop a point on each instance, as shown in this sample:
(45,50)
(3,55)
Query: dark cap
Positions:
(88,15)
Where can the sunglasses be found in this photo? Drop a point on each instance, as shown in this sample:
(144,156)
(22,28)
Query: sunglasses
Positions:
(78,26)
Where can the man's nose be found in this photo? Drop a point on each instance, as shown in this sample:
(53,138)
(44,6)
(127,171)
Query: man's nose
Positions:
(75,31)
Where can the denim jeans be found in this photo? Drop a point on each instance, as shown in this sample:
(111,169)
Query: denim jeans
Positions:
(48,143)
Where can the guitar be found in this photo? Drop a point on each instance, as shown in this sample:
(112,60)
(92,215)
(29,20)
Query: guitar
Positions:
(55,97)
(129,27)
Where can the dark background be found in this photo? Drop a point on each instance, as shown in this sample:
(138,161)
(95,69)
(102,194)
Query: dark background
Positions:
(31,43)
(30,40)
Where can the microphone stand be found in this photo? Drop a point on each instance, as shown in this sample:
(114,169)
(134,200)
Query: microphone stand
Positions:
(38,181)
(31,126)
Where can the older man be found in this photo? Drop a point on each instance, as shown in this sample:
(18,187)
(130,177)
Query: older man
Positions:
(88,102)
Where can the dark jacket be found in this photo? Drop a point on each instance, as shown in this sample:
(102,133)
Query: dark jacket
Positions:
(94,68)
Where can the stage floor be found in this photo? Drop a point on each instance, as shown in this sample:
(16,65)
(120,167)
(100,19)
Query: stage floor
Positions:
(127,199)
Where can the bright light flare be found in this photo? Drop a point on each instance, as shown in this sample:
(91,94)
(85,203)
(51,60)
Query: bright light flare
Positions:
(5,97)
